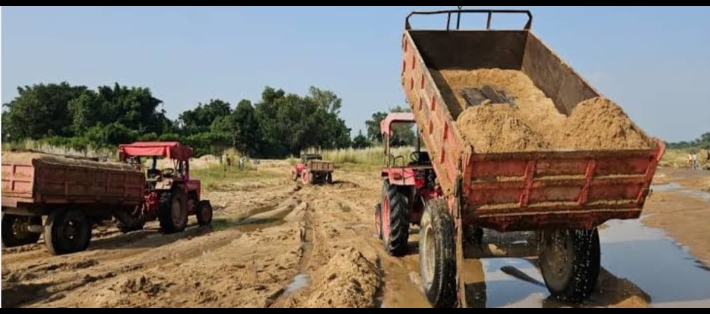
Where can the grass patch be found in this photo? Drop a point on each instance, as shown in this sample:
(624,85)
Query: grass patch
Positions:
(678,158)
(366,156)
(215,175)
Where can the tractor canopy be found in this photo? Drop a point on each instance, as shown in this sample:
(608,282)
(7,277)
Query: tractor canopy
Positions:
(392,118)
(172,150)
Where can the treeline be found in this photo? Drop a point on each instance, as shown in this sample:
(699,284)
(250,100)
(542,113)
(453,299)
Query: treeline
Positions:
(702,142)
(278,125)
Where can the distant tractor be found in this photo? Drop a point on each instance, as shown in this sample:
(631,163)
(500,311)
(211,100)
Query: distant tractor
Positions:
(170,194)
(313,169)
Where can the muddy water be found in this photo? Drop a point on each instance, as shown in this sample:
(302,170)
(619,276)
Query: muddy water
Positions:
(652,262)
(663,269)
(677,188)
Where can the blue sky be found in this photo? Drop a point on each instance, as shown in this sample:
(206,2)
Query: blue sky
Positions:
(652,60)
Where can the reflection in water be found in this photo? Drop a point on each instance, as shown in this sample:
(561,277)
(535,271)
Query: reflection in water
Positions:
(641,266)
(646,256)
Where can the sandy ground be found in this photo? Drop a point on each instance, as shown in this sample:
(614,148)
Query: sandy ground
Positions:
(276,244)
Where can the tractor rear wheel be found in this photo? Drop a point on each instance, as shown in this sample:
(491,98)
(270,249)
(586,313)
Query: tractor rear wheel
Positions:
(570,262)
(204,213)
(437,259)
(15,232)
(395,220)
(66,232)
(305,177)
(173,211)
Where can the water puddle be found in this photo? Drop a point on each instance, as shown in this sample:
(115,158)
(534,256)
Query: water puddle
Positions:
(265,217)
(298,282)
(654,262)
(676,187)
(635,258)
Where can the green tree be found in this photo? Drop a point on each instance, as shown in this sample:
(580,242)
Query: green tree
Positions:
(361,141)
(40,111)
(248,135)
(403,133)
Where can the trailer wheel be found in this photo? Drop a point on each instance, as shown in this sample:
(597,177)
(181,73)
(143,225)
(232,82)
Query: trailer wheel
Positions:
(66,232)
(570,262)
(395,221)
(329,178)
(437,259)
(173,211)
(378,220)
(15,232)
(204,213)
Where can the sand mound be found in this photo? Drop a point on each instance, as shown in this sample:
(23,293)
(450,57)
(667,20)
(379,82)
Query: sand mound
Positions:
(531,121)
(599,123)
(496,128)
(26,158)
(349,280)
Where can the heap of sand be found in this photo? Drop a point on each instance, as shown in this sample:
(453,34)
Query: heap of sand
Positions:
(533,122)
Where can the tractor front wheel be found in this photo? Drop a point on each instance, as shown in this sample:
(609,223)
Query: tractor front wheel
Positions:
(204,213)
(570,262)
(66,232)
(173,211)
(395,220)
(437,259)
(15,230)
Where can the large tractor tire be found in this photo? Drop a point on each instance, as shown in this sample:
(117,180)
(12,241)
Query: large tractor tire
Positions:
(204,212)
(395,220)
(66,232)
(173,211)
(437,255)
(131,221)
(15,232)
(570,262)
(306,177)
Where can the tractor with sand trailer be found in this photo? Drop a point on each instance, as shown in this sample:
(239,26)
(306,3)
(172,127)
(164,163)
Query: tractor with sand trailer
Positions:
(313,169)
(559,194)
(76,194)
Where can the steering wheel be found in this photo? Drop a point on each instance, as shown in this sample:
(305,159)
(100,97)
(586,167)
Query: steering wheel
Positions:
(167,172)
(414,156)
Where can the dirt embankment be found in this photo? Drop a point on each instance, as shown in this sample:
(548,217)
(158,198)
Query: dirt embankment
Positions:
(531,122)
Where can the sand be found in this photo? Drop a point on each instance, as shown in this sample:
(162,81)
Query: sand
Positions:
(26,158)
(533,122)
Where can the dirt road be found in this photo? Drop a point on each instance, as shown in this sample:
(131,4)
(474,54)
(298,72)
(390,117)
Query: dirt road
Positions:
(275,244)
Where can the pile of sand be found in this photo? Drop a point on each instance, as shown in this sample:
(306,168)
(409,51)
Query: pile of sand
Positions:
(349,280)
(27,158)
(533,122)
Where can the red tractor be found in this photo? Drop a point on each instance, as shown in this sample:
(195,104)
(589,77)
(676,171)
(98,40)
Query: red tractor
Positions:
(312,168)
(170,194)
(406,186)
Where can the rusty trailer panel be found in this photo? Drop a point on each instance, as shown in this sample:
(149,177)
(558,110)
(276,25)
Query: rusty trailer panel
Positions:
(53,180)
(321,166)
